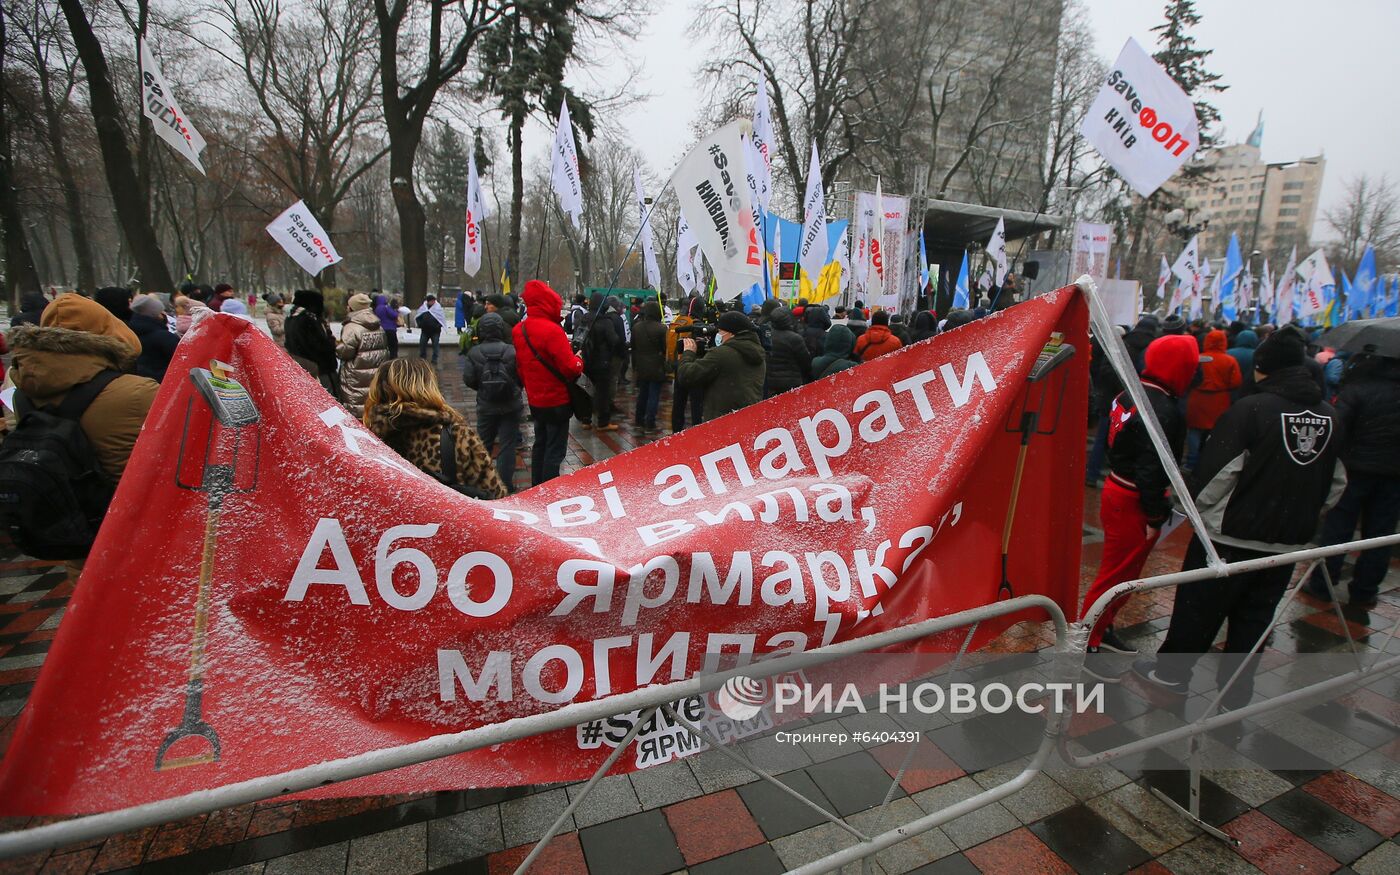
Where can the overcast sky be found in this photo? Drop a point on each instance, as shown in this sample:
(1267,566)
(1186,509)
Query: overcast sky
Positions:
(1324,75)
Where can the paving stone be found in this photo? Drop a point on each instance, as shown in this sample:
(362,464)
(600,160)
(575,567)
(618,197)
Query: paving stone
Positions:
(610,798)
(401,851)
(1040,798)
(1384,860)
(1321,825)
(913,852)
(1087,783)
(1207,854)
(973,828)
(641,844)
(854,782)
(712,826)
(465,836)
(773,756)
(663,785)
(327,860)
(1018,851)
(758,860)
(778,813)
(250,869)
(1333,747)
(811,844)
(1142,817)
(1088,842)
(526,819)
(714,771)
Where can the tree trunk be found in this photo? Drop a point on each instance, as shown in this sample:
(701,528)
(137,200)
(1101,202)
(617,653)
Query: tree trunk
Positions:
(133,211)
(72,201)
(412,220)
(517,195)
(20,275)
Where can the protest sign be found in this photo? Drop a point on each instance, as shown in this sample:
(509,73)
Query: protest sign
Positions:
(713,191)
(303,238)
(338,600)
(159,105)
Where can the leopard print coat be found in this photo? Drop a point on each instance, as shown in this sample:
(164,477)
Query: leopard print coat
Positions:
(416,434)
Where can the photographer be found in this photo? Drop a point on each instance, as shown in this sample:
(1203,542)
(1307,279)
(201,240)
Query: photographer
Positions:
(731,373)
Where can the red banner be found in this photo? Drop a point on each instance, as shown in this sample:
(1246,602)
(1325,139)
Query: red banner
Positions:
(274,587)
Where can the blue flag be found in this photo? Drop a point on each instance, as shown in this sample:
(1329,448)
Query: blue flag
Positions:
(1349,292)
(1364,289)
(754,297)
(960,291)
(1230,279)
(1392,303)
(923,265)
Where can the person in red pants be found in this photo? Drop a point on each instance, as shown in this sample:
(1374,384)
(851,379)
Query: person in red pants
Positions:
(1136,496)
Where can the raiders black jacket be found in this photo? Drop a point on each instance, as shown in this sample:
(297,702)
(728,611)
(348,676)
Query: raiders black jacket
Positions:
(1271,466)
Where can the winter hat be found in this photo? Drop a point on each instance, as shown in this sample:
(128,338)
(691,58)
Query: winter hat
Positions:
(879,317)
(1174,325)
(76,313)
(221,288)
(358,301)
(117,301)
(309,299)
(1284,348)
(273,299)
(734,322)
(769,306)
(149,306)
(234,307)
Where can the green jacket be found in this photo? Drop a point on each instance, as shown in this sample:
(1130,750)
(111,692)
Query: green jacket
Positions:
(731,374)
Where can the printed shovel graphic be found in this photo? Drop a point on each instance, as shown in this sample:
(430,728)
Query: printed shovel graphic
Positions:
(234,411)
(1052,355)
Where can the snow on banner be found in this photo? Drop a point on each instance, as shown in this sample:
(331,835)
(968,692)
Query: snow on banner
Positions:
(1141,122)
(159,105)
(303,238)
(351,603)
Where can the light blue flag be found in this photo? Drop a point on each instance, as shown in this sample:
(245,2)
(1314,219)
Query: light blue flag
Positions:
(1344,312)
(923,265)
(754,297)
(1364,287)
(960,291)
(1392,303)
(1230,279)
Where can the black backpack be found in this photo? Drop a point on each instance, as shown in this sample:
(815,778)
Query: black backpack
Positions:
(496,385)
(53,491)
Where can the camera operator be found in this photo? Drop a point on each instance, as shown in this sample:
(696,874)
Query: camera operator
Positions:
(731,373)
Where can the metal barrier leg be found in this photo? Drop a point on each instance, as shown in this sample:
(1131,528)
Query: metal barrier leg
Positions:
(1193,810)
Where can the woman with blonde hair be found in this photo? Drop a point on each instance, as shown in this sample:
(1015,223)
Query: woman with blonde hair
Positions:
(405,408)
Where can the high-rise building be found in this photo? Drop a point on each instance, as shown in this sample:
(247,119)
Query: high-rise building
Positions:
(1271,206)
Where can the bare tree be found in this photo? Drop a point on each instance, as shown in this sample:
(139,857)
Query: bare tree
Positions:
(312,72)
(1369,214)
(20,274)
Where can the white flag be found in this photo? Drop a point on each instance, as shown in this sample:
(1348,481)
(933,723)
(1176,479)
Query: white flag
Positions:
(861,249)
(1187,267)
(715,198)
(159,105)
(686,243)
(1266,289)
(811,254)
(758,193)
(298,232)
(644,222)
(877,241)
(763,142)
(996,248)
(1202,280)
(1141,122)
(1283,292)
(563,170)
(1163,275)
(1318,284)
(476,214)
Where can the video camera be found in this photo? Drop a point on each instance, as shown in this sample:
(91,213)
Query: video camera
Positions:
(703,333)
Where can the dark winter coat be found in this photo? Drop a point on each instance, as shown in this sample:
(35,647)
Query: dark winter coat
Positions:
(1369,409)
(605,342)
(1271,466)
(900,330)
(31,309)
(1102,377)
(308,335)
(1170,364)
(1243,350)
(493,341)
(925,326)
(416,434)
(789,362)
(836,353)
(158,344)
(1140,338)
(541,323)
(732,374)
(818,321)
(649,345)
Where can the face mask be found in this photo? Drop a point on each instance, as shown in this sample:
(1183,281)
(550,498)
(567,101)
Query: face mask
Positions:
(719,339)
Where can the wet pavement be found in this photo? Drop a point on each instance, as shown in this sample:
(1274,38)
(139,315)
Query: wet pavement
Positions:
(1338,811)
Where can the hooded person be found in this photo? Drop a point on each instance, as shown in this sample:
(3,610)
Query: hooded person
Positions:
(1242,350)
(1136,497)
(604,349)
(838,348)
(878,339)
(900,330)
(489,369)
(361,350)
(925,326)
(1219,377)
(648,364)
(855,320)
(158,342)
(388,322)
(116,300)
(78,341)
(309,338)
(957,319)
(1271,469)
(276,316)
(789,362)
(817,320)
(31,308)
(1147,329)
(546,362)
(731,372)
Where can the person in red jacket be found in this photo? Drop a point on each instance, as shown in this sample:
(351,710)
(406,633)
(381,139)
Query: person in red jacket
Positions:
(545,360)
(877,339)
(1219,377)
